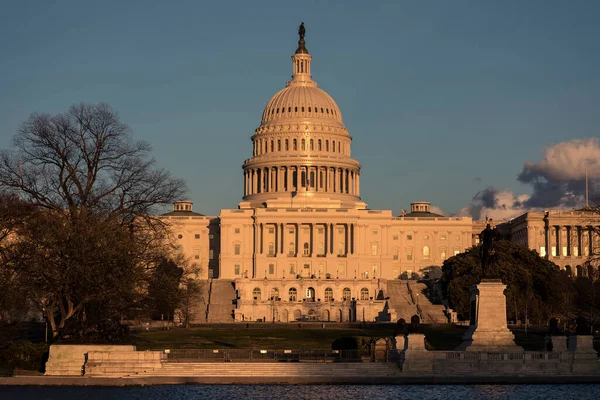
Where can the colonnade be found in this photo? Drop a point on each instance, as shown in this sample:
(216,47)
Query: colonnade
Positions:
(263,146)
(290,179)
(273,244)
(575,235)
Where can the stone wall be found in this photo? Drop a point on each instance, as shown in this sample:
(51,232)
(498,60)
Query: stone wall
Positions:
(70,359)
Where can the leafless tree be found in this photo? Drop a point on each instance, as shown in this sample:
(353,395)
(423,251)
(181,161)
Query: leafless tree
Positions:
(96,194)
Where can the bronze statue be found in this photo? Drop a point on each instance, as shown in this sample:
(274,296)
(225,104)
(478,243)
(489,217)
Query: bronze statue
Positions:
(301,31)
(487,249)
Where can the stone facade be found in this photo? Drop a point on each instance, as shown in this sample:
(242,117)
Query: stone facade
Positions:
(302,223)
(567,238)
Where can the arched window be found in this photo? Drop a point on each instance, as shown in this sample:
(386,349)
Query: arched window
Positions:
(329,294)
(293,294)
(327,145)
(305,249)
(364,293)
(256,294)
(291,249)
(278,144)
(319,145)
(346,294)
(275,294)
(295,144)
(295,109)
(287,144)
(333,146)
(289,109)
(321,179)
(312,178)
(312,145)
(303,144)
(283,110)
(271,249)
(303,178)
(272,146)
(425,252)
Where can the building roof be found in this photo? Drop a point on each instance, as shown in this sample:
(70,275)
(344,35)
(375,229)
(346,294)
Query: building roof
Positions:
(422,214)
(182,214)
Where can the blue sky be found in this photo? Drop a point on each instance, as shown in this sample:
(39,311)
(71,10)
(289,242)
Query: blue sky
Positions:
(443,98)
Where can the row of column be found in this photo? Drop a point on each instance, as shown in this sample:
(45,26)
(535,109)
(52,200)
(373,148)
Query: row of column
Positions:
(278,242)
(580,231)
(263,146)
(289,179)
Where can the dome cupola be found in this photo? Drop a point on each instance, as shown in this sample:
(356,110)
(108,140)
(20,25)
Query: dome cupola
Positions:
(302,146)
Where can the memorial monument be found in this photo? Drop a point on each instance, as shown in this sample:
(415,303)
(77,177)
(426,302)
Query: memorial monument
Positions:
(488,330)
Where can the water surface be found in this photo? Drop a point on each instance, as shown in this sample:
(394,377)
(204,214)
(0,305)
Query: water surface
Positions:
(371,392)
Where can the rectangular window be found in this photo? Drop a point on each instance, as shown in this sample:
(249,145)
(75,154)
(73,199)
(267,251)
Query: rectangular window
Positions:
(553,251)
(292,269)
(271,269)
(291,231)
(197,254)
(210,254)
(211,236)
(543,251)
(586,251)
(456,252)
(576,251)
(443,255)
(395,237)
(236,249)
(408,237)
(443,237)
(291,249)
(374,249)
(564,252)
(197,236)
(271,230)
(409,255)
(236,269)
(237,230)
(341,231)
(395,255)
(342,270)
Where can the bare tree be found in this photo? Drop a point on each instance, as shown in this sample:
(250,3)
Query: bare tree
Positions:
(96,193)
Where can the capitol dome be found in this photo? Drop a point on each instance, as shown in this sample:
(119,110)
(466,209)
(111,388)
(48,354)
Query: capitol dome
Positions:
(301,148)
(301,101)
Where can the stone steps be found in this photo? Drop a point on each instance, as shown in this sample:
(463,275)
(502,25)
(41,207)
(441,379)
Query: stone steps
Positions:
(220,307)
(400,299)
(432,313)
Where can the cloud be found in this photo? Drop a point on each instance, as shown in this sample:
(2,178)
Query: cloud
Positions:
(437,210)
(557,182)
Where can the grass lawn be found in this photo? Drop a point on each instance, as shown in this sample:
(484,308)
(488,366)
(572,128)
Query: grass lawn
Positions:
(443,337)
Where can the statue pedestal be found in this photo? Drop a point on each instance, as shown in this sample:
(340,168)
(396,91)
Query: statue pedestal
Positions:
(488,331)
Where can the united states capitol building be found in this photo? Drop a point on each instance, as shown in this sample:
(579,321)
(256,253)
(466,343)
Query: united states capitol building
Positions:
(304,245)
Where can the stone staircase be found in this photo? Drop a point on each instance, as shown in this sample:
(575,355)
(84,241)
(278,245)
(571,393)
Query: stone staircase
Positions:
(431,313)
(220,296)
(400,299)
(201,308)
(274,369)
